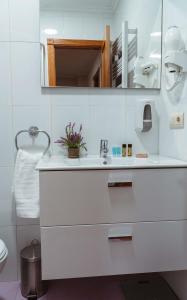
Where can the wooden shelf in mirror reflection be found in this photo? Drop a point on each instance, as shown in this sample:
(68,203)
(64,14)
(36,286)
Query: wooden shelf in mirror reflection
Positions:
(92,59)
(76,44)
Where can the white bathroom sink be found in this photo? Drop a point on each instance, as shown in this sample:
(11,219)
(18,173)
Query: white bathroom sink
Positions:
(85,161)
(95,162)
(98,161)
(118,161)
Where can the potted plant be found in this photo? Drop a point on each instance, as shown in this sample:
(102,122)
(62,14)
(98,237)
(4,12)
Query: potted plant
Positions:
(73,141)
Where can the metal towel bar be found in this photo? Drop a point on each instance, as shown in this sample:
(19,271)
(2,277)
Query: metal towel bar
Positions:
(33,131)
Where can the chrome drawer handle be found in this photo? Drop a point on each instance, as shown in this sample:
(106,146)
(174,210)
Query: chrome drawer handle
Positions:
(124,233)
(121,238)
(120,184)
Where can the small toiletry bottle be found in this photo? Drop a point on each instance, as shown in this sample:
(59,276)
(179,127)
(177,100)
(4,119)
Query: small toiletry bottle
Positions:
(124,150)
(116,151)
(129,150)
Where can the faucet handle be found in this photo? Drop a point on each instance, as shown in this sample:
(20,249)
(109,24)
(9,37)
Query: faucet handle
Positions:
(104,145)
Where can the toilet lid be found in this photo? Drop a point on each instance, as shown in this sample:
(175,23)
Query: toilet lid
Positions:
(3,249)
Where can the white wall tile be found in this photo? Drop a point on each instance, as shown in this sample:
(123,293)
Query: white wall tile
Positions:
(107,122)
(8,235)
(24,20)
(4,21)
(25,235)
(108,98)
(104,115)
(59,97)
(26,74)
(62,115)
(6,133)
(7,204)
(5,75)
(27,116)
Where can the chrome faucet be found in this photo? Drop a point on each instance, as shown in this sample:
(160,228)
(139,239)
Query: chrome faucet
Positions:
(104,149)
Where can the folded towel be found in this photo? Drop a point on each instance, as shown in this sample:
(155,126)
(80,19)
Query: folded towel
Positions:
(26,185)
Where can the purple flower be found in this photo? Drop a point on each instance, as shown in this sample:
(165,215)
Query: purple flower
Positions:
(73,139)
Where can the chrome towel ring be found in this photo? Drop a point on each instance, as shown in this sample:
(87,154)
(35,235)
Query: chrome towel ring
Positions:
(33,131)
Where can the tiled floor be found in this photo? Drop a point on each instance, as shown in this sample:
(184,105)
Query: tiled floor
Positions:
(75,289)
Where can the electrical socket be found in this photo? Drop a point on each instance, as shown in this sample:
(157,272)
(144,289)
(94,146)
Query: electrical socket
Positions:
(177,121)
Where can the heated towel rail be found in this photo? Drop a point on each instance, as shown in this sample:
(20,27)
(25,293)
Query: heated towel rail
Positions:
(123,52)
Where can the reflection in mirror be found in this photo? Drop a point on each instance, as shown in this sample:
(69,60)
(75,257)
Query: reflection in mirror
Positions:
(101,43)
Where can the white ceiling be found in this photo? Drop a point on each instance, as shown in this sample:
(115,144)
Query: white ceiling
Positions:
(107,6)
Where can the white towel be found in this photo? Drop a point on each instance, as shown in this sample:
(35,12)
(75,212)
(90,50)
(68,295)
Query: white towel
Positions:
(26,185)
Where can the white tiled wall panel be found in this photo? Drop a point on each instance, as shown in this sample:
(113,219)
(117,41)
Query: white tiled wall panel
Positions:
(4,21)
(5,75)
(174,142)
(110,127)
(26,73)
(6,133)
(7,211)
(24,20)
(62,115)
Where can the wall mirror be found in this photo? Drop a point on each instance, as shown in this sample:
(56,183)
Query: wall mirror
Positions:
(101,43)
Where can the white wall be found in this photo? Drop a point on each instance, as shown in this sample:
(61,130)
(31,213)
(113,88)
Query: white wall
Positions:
(104,114)
(174,142)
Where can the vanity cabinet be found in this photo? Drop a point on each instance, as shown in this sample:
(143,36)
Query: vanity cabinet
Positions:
(88,250)
(84,197)
(109,222)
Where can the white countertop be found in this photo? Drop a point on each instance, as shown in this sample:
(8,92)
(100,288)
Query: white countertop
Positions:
(57,163)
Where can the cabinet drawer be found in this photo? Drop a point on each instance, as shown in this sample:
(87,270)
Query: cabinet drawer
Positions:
(104,196)
(99,250)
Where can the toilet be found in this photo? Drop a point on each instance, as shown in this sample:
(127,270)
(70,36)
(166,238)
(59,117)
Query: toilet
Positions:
(3,254)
